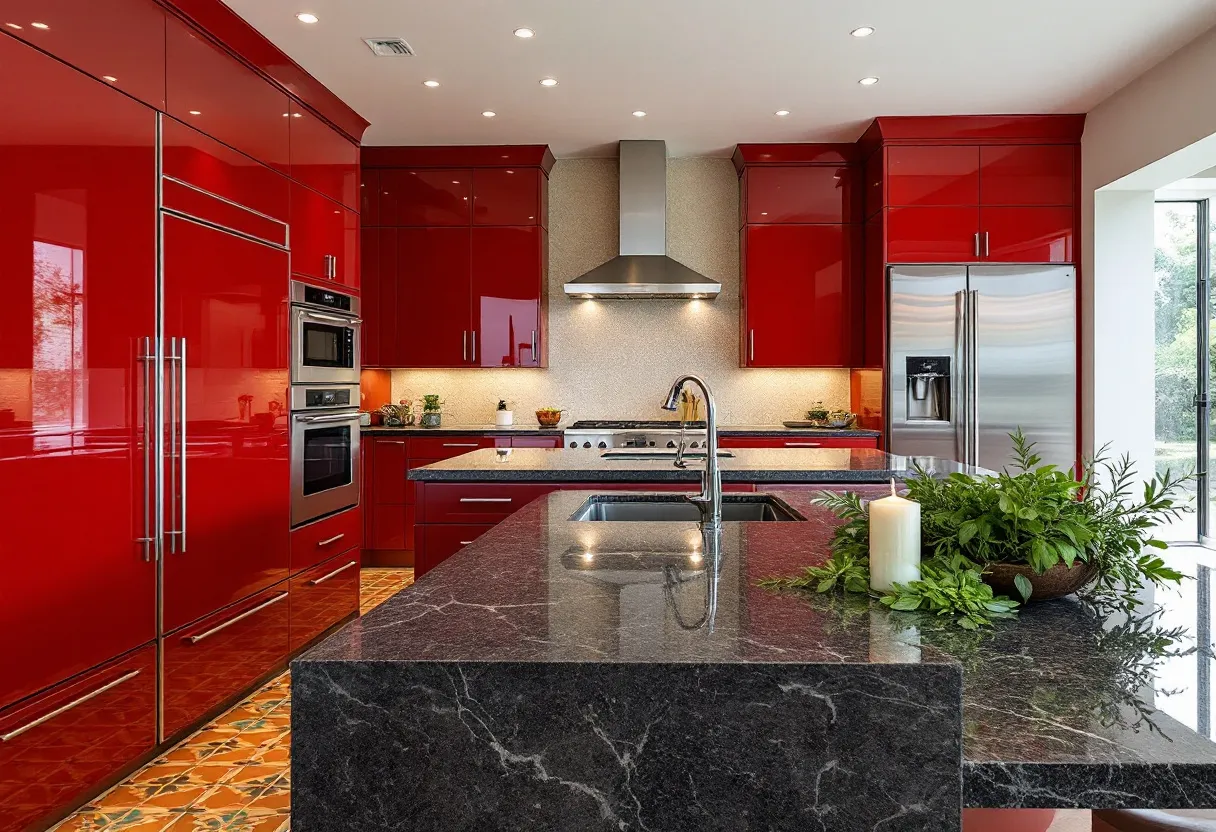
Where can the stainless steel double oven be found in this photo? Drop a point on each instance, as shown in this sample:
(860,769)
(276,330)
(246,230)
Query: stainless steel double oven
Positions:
(324,402)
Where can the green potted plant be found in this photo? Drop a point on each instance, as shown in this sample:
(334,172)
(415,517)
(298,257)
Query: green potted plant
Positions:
(818,413)
(398,415)
(432,407)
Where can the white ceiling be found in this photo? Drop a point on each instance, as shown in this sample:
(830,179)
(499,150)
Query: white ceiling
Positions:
(711,73)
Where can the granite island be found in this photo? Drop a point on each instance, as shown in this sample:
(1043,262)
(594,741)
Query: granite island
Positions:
(562,675)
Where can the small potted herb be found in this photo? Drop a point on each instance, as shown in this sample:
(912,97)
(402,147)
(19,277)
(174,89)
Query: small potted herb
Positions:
(818,413)
(432,411)
(398,415)
(502,417)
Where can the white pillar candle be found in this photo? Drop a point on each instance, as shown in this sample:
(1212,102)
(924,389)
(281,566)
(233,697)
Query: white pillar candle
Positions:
(894,541)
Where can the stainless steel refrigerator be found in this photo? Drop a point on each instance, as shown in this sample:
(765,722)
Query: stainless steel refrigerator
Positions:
(976,352)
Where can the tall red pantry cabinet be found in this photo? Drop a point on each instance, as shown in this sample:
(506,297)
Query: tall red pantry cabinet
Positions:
(124,459)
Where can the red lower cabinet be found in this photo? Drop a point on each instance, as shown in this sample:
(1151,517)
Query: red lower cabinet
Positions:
(477,502)
(63,744)
(219,656)
(439,542)
(317,541)
(323,596)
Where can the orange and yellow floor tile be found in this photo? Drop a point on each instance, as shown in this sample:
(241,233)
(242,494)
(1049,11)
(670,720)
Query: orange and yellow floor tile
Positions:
(233,774)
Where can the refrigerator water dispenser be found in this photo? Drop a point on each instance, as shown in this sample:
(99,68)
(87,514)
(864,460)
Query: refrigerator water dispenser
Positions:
(928,388)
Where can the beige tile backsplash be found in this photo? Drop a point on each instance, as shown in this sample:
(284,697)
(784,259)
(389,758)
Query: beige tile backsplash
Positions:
(616,359)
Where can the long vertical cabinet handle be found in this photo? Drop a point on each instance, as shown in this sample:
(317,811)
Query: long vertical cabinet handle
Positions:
(171,400)
(973,384)
(331,266)
(464,345)
(473,343)
(751,345)
(977,245)
(985,243)
(181,465)
(146,357)
(959,379)
(535,357)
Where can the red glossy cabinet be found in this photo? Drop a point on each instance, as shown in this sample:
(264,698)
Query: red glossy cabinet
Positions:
(508,284)
(321,539)
(61,743)
(369,292)
(426,197)
(215,658)
(1028,174)
(440,542)
(802,194)
(78,268)
(933,234)
(1028,234)
(208,89)
(323,159)
(324,238)
(433,298)
(387,496)
(933,175)
(121,42)
(506,196)
(797,295)
(323,596)
(225,299)
(369,197)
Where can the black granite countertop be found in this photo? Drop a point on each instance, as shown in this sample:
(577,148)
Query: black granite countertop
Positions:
(535,430)
(781,465)
(1058,708)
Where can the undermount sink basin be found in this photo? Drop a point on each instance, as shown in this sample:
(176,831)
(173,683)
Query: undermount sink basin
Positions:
(657,453)
(619,508)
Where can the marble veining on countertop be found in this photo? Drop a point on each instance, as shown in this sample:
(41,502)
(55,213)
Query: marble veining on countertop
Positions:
(1056,711)
(788,465)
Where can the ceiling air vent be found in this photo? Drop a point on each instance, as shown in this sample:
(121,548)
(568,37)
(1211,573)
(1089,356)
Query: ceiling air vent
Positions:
(389,47)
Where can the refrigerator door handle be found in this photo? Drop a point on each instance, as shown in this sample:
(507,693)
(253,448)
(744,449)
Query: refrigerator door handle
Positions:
(973,380)
(171,401)
(959,378)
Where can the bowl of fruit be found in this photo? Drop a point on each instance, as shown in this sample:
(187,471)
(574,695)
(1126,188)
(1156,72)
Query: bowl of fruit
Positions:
(548,417)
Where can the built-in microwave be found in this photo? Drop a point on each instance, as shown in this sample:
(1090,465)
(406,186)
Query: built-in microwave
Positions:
(324,450)
(324,336)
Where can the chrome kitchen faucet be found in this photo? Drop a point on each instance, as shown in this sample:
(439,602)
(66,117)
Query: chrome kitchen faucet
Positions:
(710,498)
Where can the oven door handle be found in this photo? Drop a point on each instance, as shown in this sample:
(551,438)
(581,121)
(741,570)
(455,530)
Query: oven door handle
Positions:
(333,319)
(336,417)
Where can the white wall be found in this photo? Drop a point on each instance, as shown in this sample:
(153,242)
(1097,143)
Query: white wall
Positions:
(1158,129)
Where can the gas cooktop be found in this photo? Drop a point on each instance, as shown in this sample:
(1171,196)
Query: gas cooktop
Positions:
(633,424)
(629,433)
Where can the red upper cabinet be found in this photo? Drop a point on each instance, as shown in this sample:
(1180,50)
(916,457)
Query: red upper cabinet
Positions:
(874,180)
(1028,174)
(1028,234)
(323,158)
(933,175)
(324,238)
(933,235)
(797,295)
(804,194)
(214,92)
(426,197)
(433,298)
(78,267)
(121,42)
(369,292)
(506,196)
(508,286)
(369,197)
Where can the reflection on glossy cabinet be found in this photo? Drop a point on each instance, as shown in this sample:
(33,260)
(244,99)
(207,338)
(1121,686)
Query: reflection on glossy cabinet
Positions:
(433,297)
(1028,174)
(322,158)
(323,596)
(1028,234)
(506,196)
(369,292)
(210,90)
(801,194)
(797,297)
(369,197)
(426,197)
(933,234)
(933,175)
(508,284)
(324,238)
(77,245)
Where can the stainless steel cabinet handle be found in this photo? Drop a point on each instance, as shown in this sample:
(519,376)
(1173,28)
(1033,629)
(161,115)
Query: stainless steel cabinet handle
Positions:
(535,357)
(461,445)
(473,344)
(282,596)
(391,441)
(333,319)
(751,345)
(985,243)
(465,542)
(977,244)
(464,345)
(171,496)
(324,578)
(333,539)
(804,444)
(146,358)
(331,266)
(181,390)
(485,499)
(62,709)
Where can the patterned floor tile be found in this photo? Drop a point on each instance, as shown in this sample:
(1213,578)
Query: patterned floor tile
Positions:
(232,775)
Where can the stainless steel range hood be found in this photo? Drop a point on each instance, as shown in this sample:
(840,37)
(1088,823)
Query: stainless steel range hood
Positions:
(643,271)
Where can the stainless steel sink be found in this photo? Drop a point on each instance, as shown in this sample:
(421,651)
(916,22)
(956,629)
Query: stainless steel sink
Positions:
(619,508)
(656,453)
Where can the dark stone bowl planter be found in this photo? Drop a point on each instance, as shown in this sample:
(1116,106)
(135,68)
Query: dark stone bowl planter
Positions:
(1056,582)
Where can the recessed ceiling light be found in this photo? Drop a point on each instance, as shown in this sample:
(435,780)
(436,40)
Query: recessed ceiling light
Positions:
(548,82)
(862,31)
(14,25)
(489,113)
(40,26)
(306,17)
(782,113)
(640,113)
(432,83)
(868,81)
(524,32)
(110,79)
(195,113)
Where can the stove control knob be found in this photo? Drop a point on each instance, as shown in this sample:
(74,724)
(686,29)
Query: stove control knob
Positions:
(652,443)
(573,444)
(603,445)
(586,444)
(693,445)
(671,443)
